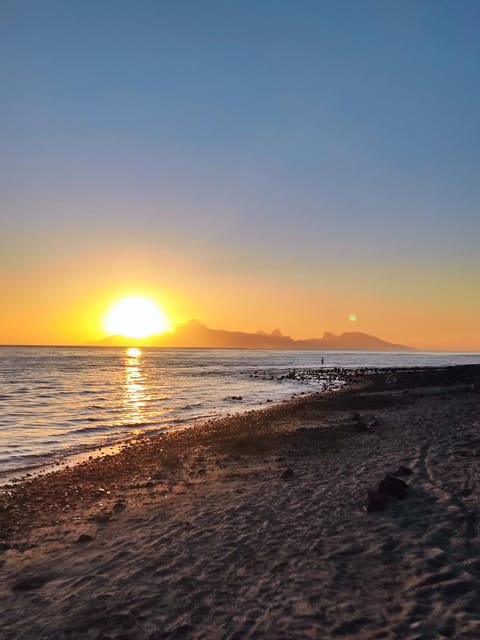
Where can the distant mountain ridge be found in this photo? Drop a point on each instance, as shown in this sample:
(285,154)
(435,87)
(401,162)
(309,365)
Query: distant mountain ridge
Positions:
(195,334)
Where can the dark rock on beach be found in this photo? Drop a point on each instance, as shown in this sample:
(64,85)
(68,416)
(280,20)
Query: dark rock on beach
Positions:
(376,501)
(388,488)
(30,583)
(83,538)
(102,517)
(402,471)
(393,487)
(360,426)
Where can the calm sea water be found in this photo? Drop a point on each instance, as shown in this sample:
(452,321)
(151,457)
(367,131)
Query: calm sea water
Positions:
(58,401)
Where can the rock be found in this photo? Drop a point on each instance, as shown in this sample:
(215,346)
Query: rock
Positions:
(30,583)
(84,537)
(360,426)
(103,517)
(376,501)
(393,487)
(288,473)
(4,546)
(402,471)
(119,506)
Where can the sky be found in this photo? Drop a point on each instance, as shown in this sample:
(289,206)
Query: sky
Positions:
(253,164)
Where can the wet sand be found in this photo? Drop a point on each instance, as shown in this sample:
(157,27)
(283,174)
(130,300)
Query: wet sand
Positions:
(255,526)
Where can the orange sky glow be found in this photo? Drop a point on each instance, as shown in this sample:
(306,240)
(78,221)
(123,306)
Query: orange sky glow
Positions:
(63,299)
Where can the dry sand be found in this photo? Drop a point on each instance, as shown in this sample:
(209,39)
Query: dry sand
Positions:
(198,535)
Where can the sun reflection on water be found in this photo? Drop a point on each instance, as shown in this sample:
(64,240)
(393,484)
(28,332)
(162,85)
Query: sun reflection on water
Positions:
(135,392)
(133,352)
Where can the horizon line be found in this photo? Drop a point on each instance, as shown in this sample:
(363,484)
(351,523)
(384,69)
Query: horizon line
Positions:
(412,351)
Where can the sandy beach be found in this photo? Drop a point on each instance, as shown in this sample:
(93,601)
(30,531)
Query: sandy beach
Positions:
(255,526)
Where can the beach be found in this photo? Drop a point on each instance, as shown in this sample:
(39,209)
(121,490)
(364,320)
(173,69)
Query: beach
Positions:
(255,526)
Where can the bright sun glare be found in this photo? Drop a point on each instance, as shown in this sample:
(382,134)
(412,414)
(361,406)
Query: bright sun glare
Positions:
(135,317)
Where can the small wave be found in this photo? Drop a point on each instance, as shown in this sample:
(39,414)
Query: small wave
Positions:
(137,425)
(91,430)
(195,418)
(88,419)
(115,428)
(25,457)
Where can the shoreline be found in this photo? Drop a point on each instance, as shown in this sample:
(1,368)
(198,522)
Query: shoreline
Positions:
(324,379)
(106,414)
(255,525)
(329,377)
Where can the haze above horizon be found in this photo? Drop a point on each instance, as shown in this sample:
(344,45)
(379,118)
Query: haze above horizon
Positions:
(309,165)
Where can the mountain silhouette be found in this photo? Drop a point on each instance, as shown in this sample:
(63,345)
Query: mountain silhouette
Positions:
(196,334)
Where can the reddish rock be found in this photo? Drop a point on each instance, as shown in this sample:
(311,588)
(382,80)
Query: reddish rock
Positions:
(84,537)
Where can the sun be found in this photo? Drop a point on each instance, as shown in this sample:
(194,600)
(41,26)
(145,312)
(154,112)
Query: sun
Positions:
(135,317)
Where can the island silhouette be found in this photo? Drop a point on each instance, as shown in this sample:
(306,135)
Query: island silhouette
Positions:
(195,334)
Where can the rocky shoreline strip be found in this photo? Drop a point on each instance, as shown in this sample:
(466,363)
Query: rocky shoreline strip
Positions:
(257,526)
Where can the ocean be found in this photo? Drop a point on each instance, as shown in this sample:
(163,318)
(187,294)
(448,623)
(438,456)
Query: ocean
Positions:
(60,401)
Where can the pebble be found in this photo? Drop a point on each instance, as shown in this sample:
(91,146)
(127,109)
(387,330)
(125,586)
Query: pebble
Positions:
(84,537)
